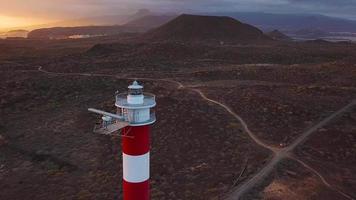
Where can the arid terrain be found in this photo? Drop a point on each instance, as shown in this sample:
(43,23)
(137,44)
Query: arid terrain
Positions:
(258,120)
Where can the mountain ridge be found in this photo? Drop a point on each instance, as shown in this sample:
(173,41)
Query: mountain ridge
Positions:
(192,28)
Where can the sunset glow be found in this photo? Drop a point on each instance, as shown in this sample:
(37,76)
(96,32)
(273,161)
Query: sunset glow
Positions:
(11,22)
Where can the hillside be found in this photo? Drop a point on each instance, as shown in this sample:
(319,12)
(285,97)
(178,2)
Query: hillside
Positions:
(195,28)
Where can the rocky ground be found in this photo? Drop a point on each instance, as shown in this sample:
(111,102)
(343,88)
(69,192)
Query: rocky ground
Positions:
(279,103)
(199,150)
(332,152)
(291,180)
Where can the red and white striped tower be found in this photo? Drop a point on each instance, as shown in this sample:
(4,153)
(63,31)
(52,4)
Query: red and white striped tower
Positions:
(136,109)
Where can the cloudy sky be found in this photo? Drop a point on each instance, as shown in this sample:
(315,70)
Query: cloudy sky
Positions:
(39,11)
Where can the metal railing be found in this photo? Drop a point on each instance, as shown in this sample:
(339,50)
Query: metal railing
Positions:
(115,116)
(149,121)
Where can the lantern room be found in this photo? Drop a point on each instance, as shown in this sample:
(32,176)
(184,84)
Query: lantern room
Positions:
(136,106)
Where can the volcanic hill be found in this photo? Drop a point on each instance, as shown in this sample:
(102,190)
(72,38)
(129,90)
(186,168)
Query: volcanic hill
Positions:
(194,28)
(277,35)
(150,21)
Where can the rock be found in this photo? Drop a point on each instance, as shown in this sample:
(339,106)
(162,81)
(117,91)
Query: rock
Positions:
(172,195)
(2,140)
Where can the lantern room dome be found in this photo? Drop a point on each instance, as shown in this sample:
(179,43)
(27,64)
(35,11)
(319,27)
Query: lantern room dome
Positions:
(135,85)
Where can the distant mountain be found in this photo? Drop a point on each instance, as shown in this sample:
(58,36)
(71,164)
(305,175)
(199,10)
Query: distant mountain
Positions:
(103,26)
(318,41)
(79,32)
(139,14)
(105,20)
(14,33)
(150,21)
(277,35)
(311,33)
(264,21)
(288,24)
(195,28)
(293,22)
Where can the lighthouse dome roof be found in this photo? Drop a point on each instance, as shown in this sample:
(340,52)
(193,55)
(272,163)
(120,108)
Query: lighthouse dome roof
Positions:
(135,85)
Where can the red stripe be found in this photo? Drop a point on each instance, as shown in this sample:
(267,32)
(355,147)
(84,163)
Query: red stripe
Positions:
(136,191)
(137,141)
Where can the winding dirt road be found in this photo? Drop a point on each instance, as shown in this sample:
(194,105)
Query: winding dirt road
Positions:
(326,183)
(284,153)
(278,153)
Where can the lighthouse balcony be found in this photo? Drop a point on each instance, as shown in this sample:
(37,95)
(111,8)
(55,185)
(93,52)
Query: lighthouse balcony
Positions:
(151,120)
(139,117)
(149,101)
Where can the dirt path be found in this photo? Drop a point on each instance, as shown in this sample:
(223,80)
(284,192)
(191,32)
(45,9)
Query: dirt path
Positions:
(179,86)
(325,182)
(278,153)
(283,153)
(243,123)
(307,133)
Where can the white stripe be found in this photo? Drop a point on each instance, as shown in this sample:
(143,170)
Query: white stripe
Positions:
(136,168)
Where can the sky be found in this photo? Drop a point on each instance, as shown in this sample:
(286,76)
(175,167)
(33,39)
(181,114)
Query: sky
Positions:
(29,12)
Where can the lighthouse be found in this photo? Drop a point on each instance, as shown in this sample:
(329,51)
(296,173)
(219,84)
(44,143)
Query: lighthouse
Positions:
(134,117)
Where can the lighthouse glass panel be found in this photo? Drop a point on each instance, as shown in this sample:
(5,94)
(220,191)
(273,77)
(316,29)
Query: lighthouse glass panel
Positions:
(135,91)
